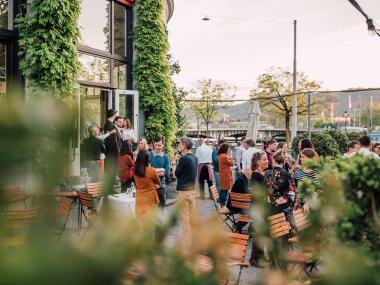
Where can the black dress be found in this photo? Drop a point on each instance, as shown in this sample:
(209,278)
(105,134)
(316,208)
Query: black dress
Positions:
(258,184)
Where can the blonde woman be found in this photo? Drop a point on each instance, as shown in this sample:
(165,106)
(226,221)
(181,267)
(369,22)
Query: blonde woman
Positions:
(142,145)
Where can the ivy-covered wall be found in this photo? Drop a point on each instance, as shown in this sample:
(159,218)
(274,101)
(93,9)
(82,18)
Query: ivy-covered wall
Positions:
(152,71)
(48,54)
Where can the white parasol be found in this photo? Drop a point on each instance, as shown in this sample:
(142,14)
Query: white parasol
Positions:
(254,121)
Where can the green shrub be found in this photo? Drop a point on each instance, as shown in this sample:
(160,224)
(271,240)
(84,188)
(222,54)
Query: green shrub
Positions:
(323,143)
(340,138)
(354,136)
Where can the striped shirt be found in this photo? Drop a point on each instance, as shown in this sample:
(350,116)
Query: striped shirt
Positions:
(302,175)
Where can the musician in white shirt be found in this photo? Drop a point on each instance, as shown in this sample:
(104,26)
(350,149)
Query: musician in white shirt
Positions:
(246,160)
(239,153)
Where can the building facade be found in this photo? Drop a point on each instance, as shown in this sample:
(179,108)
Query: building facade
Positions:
(106,54)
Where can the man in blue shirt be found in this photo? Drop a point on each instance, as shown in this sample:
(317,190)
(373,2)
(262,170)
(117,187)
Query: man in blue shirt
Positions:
(160,161)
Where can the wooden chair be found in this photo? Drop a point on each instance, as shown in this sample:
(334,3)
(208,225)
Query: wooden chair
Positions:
(95,189)
(238,244)
(243,202)
(301,220)
(12,195)
(224,214)
(62,213)
(280,228)
(86,201)
(238,252)
(17,221)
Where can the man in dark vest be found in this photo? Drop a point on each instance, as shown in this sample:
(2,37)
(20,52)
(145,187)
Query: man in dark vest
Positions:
(113,143)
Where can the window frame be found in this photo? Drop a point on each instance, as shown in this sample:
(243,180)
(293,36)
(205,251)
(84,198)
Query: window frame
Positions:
(128,59)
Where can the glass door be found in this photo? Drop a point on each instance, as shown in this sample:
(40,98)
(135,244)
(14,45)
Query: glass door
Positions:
(127,104)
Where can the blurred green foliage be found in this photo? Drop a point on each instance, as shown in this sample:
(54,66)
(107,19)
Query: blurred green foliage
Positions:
(34,154)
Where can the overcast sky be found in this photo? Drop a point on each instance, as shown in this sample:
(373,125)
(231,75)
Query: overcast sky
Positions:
(240,41)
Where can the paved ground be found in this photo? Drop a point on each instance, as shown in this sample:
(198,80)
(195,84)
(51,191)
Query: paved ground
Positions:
(205,207)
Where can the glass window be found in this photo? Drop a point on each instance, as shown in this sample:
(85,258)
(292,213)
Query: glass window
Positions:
(3,70)
(120,30)
(122,106)
(120,74)
(94,24)
(94,68)
(93,106)
(5,14)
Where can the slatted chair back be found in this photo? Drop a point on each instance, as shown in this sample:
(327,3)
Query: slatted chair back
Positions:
(21,218)
(86,200)
(238,247)
(279,226)
(223,213)
(95,189)
(214,193)
(240,200)
(12,194)
(300,219)
(64,207)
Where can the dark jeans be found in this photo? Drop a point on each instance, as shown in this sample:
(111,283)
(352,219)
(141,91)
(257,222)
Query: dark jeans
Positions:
(204,175)
(223,197)
(162,194)
(257,252)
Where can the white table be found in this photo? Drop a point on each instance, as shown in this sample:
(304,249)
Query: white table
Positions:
(120,204)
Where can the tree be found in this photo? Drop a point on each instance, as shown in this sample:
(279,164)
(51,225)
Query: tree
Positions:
(179,94)
(208,100)
(274,88)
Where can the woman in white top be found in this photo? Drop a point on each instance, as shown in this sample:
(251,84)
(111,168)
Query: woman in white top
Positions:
(128,132)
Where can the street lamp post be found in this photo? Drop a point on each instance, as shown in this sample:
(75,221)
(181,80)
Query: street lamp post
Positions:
(294,97)
(345,121)
(309,114)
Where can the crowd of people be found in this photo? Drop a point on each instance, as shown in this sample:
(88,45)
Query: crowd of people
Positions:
(269,168)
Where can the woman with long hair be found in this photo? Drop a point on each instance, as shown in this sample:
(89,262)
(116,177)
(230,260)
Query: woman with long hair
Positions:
(225,162)
(259,165)
(142,145)
(306,172)
(128,132)
(147,183)
(125,165)
(303,144)
(287,159)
